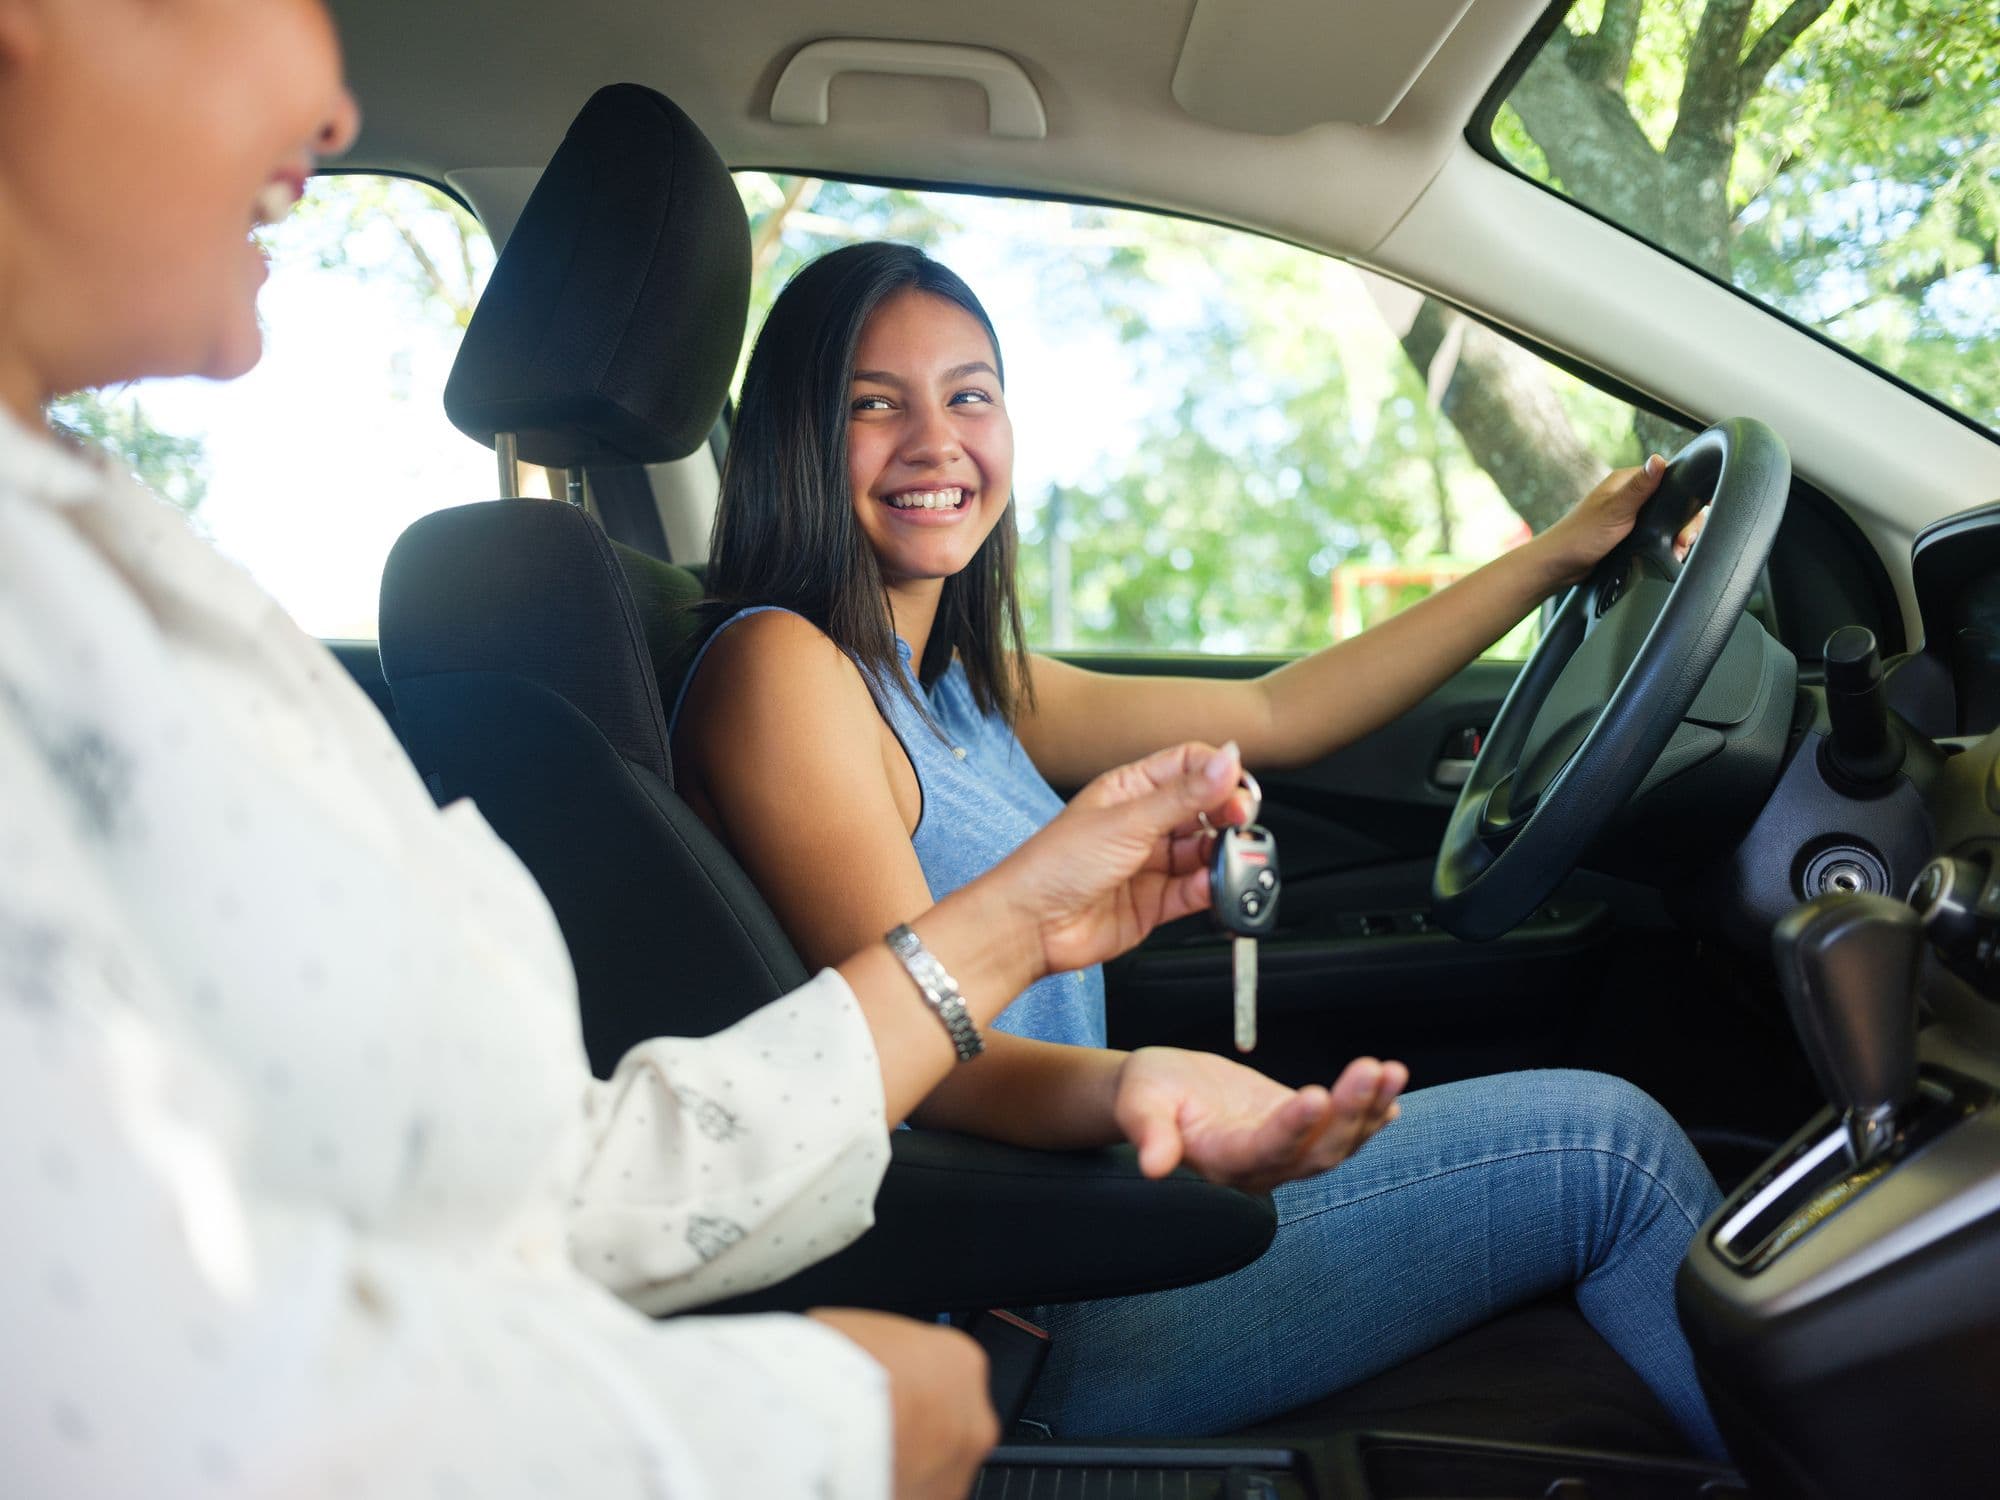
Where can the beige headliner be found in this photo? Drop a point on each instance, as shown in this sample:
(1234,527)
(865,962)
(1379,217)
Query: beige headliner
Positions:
(446,87)
(479,94)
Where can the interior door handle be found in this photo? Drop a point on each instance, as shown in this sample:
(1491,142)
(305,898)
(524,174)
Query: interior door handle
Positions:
(1452,772)
(1453,767)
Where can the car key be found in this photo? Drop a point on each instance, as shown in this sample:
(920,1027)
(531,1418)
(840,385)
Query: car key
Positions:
(1243,885)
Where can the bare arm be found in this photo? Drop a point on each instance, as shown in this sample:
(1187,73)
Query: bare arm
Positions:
(789,764)
(1084,722)
(779,721)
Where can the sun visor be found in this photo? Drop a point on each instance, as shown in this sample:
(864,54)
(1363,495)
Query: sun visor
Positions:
(614,317)
(1279,66)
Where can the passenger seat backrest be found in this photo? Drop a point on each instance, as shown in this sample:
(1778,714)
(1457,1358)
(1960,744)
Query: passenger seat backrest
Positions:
(521,664)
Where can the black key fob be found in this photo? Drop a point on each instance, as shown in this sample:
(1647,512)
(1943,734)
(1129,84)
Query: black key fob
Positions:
(1243,881)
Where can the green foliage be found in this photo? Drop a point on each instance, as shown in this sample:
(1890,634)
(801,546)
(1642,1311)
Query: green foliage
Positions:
(794,220)
(1867,192)
(169,464)
(423,246)
(1860,188)
(1288,435)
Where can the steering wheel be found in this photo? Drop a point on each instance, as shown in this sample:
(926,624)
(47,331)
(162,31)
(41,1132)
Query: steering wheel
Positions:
(1610,681)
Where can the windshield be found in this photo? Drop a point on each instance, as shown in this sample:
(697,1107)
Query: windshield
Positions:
(1839,162)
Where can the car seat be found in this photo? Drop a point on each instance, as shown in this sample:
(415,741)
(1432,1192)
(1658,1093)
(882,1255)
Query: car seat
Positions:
(523,669)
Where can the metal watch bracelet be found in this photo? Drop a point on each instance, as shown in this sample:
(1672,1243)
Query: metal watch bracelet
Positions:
(939,989)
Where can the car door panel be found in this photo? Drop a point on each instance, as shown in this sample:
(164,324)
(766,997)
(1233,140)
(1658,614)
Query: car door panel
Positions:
(1356,964)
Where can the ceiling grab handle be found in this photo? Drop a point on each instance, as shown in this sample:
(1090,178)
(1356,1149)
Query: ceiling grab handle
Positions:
(1013,107)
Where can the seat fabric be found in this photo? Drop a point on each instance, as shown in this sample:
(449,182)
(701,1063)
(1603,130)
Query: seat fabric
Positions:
(523,676)
(1539,1374)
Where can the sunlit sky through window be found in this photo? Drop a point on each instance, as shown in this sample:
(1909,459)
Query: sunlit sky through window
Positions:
(317,460)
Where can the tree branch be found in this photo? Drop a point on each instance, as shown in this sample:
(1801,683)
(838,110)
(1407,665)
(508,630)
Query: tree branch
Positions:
(1617,33)
(1593,144)
(1778,169)
(771,231)
(467,269)
(1776,41)
(1706,117)
(431,273)
(1912,288)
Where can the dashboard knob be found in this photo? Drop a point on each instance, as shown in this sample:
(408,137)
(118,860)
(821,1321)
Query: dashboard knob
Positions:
(1946,897)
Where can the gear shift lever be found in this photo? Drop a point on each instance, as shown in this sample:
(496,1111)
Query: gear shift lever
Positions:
(1848,967)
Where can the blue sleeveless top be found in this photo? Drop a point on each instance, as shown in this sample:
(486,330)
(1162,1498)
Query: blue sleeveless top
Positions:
(982,799)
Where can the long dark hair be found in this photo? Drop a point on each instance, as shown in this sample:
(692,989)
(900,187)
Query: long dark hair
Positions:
(785,529)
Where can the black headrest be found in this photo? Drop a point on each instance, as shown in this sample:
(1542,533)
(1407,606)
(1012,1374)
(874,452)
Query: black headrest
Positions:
(614,317)
(531,589)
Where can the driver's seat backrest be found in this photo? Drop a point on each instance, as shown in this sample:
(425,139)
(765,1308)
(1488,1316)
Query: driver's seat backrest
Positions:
(520,662)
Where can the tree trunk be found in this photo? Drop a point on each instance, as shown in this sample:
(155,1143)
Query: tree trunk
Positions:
(1504,408)
(1571,99)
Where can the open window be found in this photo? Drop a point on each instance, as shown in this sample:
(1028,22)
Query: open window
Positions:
(1226,444)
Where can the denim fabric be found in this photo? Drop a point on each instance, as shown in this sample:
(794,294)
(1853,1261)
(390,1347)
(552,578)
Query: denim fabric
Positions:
(1485,1195)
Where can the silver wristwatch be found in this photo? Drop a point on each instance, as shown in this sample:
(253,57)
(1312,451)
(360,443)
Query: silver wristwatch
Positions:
(939,989)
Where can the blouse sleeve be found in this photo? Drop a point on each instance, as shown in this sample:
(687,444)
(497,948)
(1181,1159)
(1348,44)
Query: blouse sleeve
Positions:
(172,1325)
(726,1163)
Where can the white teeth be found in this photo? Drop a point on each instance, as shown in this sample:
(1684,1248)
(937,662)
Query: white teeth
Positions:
(274,202)
(929,500)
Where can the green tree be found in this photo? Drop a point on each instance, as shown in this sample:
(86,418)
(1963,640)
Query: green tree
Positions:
(1841,162)
(170,464)
(796,219)
(424,245)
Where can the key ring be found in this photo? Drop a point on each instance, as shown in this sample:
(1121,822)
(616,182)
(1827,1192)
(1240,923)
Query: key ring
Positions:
(1249,784)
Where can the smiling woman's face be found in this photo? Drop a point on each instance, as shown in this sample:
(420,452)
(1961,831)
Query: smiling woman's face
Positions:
(140,141)
(930,448)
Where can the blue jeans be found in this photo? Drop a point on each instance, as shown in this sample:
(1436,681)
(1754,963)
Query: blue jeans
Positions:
(1485,1195)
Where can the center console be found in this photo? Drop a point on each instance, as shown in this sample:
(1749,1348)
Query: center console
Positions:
(1844,1304)
(1351,1466)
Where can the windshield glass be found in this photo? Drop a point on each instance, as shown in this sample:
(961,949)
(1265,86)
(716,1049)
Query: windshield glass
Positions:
(1837,161)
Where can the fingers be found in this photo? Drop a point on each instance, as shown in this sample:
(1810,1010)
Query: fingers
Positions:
(1684,543)
(1283,1140)
(1177,783)
(1157,1134)
(1186,780)
(1203,771)
(1185,893)
(1361,1102)
(1633,487)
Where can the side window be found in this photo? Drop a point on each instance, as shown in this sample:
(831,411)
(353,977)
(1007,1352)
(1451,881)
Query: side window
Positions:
(307,469)
(1223,443)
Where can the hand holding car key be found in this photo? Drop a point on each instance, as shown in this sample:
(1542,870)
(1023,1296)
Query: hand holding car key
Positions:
(1243,886)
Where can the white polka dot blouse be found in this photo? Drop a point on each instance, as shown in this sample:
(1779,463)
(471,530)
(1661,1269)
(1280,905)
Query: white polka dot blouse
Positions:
(310,1191)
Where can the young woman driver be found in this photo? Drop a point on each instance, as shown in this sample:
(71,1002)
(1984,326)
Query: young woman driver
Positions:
(308,1188)
(866,707)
